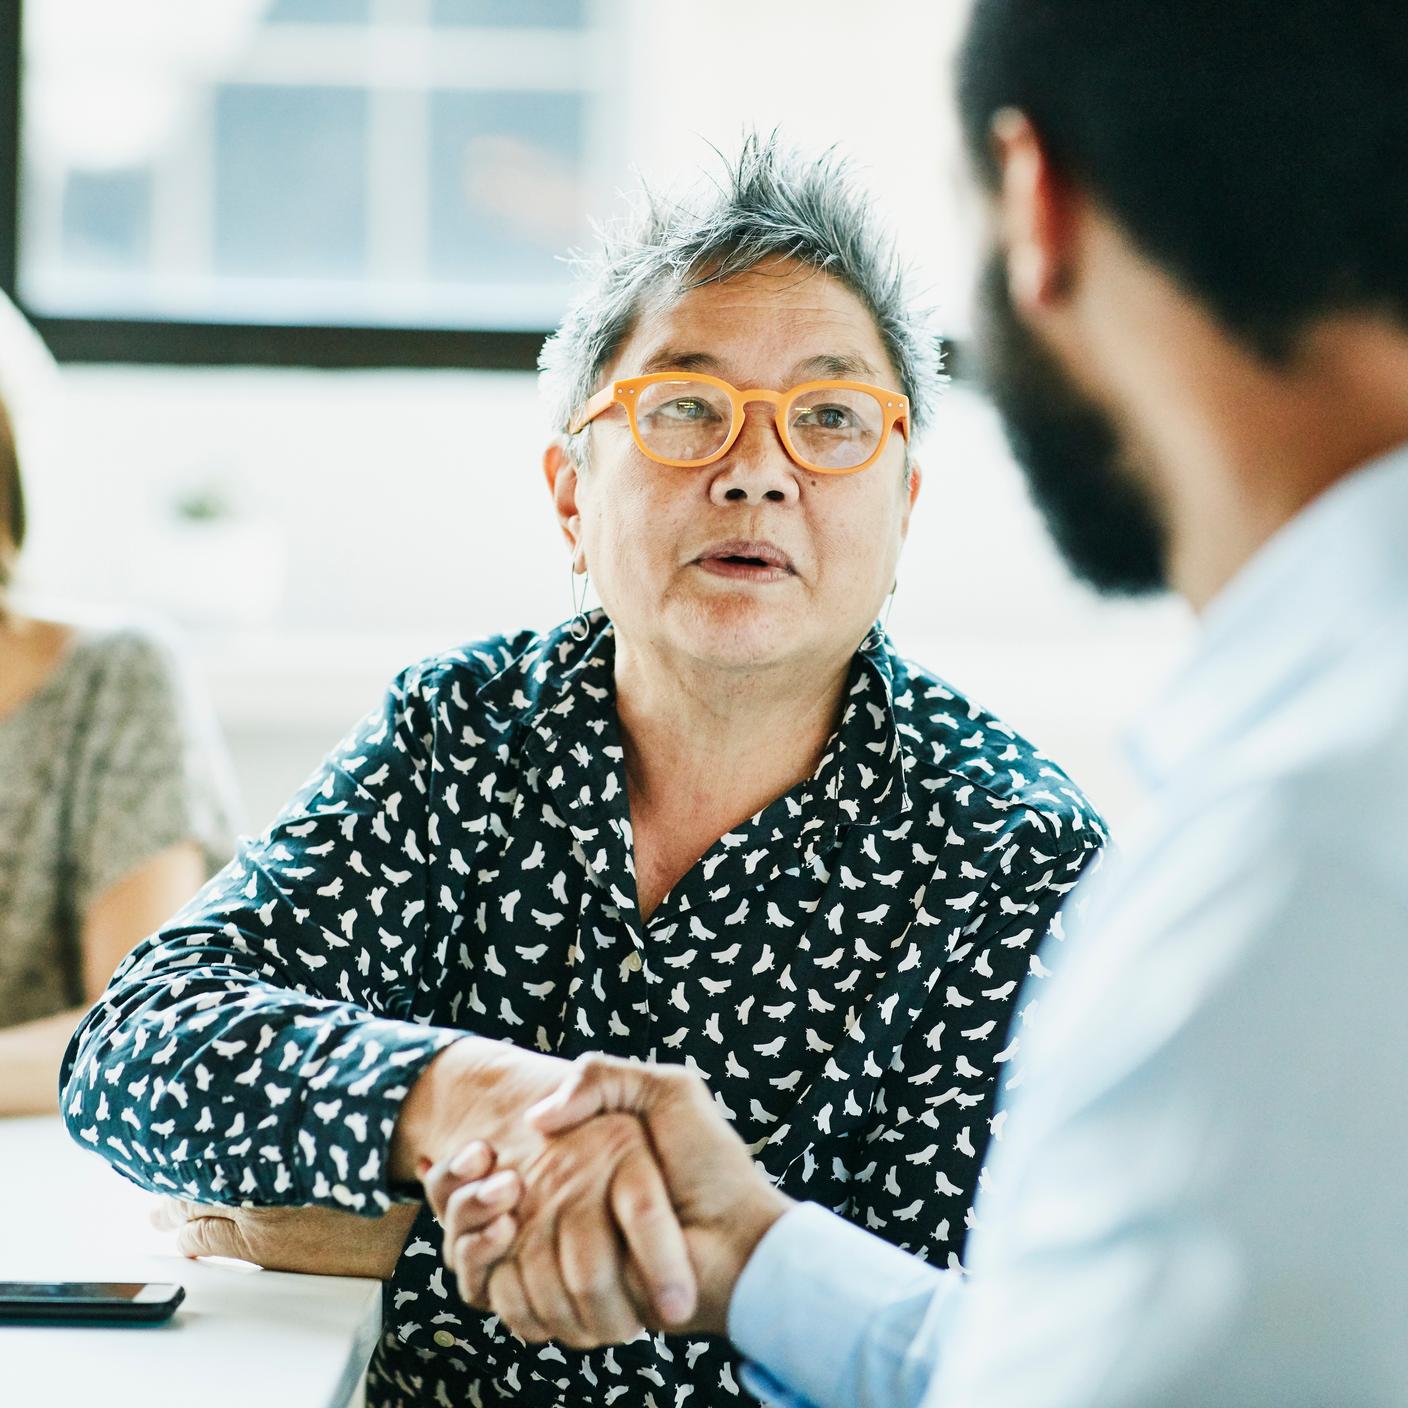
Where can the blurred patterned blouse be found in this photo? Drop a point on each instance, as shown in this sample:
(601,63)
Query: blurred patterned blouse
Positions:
(103,767)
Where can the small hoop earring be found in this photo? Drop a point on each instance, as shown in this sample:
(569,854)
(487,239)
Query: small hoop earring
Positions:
(580,628)
(875,637)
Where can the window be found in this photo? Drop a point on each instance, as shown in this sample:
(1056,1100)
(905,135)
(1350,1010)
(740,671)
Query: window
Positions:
(308,166)
(395,182)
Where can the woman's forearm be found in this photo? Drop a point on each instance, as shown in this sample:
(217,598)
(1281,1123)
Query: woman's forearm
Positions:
(215,1046)
(30,1055)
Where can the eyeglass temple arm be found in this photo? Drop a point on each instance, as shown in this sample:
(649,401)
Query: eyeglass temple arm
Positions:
(593,408)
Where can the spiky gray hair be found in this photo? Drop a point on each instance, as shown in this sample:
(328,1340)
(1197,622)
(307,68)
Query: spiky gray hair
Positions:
(772,202)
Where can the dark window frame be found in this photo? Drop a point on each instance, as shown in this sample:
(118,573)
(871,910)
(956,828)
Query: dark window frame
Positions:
(158,342)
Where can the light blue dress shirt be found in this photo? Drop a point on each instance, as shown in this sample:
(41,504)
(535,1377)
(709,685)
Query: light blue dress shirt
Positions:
(1201,1194)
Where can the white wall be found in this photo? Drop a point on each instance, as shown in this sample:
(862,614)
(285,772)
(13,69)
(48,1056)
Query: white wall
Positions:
(377,516)
(873,78)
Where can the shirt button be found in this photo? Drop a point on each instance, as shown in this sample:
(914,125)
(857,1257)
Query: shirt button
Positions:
(444,1339)
(633,961)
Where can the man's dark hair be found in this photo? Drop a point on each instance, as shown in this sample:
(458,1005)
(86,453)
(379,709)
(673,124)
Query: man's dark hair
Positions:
(1257,150)
(12,521)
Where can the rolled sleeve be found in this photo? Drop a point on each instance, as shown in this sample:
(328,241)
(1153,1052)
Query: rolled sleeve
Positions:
(253,1050)
(193,1077)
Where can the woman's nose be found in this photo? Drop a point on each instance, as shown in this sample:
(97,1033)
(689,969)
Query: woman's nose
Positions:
(756,469)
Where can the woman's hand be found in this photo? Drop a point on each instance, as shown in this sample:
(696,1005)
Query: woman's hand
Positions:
(474,1090)
(319,1241)
(591,1251)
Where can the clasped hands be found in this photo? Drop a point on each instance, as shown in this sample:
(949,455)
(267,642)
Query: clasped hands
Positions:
(579,1202)
(638,1210)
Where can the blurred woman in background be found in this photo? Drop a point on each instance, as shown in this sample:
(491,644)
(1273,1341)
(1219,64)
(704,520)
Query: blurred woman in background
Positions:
(111,809)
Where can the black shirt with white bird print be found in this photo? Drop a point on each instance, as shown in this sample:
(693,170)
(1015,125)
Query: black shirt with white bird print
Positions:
(844,970)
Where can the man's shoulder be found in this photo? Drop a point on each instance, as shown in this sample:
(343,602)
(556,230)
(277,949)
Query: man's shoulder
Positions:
(1321,776)
(1338,813)
(964,756)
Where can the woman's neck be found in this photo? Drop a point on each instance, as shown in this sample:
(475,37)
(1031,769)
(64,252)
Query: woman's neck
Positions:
(720,744)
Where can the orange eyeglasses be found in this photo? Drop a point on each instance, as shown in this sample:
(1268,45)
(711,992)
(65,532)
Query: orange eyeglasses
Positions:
(687,419)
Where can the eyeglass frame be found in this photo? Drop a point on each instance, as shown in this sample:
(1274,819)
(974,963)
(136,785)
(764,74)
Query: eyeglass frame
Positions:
(893,404)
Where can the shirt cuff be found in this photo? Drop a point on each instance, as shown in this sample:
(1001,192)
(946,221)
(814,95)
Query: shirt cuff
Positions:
(766,1389)
(350,1108)
(806,1304)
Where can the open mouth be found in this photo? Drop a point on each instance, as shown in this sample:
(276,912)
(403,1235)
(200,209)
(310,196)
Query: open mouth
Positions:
(747,562)
(745,555)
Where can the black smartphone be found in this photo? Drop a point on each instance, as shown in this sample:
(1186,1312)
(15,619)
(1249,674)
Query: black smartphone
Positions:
(117,1302)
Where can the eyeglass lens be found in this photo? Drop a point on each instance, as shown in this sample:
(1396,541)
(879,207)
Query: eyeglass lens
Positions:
(830,427)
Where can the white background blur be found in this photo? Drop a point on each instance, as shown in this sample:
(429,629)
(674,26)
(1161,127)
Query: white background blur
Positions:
(369,517)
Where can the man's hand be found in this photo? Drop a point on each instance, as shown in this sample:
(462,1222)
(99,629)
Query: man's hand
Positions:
(320,1241)
(599,1250)
(723,1202)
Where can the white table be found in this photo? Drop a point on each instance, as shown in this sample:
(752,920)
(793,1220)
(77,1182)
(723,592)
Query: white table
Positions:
(243,1337)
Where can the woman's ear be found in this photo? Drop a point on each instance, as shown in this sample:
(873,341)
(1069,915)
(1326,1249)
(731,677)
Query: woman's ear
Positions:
(911,494)
(560,470)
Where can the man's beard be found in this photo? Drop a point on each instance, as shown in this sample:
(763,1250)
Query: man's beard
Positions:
(1103,520)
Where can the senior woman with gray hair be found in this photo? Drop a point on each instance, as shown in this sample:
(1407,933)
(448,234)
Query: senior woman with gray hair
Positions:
(718,821)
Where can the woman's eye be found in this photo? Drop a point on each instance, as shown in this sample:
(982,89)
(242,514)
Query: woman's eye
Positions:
(687,409)
(825,417)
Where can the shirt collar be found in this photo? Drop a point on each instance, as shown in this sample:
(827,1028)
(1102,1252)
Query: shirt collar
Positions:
(562,691)
(540,686)
(1323,580)
(871,786)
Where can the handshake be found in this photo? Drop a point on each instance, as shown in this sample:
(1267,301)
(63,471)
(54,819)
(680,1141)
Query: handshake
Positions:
(580,1202)
(630,1203)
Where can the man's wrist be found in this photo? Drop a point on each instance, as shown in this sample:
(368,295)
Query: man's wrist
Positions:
(769,1205)
(758,1213)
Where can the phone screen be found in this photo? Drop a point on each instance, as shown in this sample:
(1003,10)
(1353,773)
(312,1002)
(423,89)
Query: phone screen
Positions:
(104,1291)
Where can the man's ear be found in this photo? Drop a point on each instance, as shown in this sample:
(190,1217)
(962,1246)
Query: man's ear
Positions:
(1035,214)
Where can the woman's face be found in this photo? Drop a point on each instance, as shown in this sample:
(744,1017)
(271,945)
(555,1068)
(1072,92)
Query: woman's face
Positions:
(655,539)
